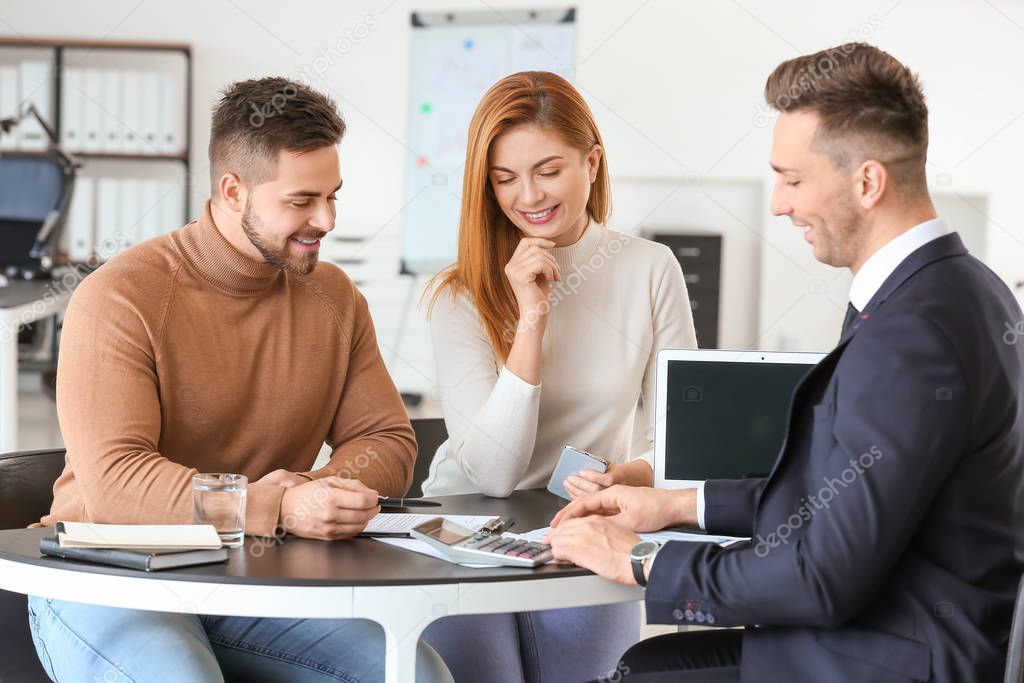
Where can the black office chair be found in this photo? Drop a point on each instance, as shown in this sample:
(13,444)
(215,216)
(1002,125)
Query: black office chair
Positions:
(430,433)
(1015,653)
(26,492)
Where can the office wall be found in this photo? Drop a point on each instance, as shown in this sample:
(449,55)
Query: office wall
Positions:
(676,87)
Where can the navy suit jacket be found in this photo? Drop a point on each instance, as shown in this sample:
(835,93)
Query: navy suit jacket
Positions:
(888,541)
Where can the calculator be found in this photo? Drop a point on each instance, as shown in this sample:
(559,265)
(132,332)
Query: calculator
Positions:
(461,544)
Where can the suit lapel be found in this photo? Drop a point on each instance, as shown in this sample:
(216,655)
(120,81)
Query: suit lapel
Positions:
(939,248)
(936,250)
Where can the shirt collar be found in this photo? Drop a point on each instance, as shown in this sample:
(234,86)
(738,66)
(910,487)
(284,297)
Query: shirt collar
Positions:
(877,269)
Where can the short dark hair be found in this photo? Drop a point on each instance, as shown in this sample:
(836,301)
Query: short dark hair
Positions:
(870,105)
(256,119)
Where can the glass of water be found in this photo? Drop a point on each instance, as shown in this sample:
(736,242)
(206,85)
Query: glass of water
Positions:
(219,499)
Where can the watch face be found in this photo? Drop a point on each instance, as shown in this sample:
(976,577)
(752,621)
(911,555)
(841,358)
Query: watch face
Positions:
(642,550)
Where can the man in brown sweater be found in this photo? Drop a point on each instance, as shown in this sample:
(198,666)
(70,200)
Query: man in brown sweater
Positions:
(226,347)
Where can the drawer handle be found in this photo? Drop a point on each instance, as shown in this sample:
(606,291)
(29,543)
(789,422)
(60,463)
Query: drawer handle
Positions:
(692,278)
(688,252)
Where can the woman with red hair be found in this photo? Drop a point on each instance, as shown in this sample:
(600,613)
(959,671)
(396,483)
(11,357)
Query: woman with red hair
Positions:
(545,333)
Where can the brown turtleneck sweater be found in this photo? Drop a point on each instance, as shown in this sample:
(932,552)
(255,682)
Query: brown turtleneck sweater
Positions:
(182,355)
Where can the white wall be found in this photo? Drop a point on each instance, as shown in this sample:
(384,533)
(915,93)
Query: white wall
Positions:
(676,86)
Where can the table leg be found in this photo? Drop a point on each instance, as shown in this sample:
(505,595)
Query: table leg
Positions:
(400,653)
(407,613)
(8,387)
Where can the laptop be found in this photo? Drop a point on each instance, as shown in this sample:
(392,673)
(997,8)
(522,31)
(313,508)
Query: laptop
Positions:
(722,414)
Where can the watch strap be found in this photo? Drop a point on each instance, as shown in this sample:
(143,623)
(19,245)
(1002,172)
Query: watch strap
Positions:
(638,571)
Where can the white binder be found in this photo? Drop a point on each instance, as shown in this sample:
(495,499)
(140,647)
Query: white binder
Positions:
(92,115)
(78,233)
(35,89)
(130,213)
(109,241)
(172,206)
(152,213)
(111,114)
(9,93)
(132,94)
(72,116)
(172,115)
(151,95)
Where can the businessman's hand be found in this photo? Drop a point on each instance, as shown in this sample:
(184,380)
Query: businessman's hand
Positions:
(283,478)
(597,544)
(328,509)
(636,508)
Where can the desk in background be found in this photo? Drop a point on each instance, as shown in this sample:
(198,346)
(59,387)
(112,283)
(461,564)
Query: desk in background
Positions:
(21,302)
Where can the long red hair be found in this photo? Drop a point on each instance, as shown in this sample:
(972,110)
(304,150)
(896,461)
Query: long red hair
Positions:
(487,238)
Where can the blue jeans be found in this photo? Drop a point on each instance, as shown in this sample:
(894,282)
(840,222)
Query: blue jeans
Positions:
(77,642)
(551,646)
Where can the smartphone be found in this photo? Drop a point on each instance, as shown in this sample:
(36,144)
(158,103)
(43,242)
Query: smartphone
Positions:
(570,462)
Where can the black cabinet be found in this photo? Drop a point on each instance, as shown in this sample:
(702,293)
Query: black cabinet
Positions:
(701,259)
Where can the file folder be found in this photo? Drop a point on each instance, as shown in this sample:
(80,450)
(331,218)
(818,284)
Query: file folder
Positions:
(111,114)
(35,89)
(71,119)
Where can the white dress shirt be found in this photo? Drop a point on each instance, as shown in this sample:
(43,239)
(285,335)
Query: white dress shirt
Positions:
(870,278)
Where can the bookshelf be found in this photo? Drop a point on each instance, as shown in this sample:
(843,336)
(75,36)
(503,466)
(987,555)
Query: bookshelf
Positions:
(122,108)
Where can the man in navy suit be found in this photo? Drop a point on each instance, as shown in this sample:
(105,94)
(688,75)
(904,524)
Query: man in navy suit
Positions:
(888,541)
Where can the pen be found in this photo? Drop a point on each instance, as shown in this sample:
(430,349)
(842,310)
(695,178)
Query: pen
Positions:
(386,502)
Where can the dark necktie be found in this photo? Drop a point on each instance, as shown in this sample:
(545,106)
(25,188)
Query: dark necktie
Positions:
(851,314)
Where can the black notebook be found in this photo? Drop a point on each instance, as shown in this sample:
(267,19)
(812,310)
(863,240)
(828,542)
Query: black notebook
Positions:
(147,561)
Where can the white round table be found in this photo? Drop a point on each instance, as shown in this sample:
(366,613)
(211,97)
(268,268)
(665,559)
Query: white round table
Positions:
(402,591)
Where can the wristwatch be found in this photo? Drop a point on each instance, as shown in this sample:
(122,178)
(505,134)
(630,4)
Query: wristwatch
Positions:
(638,555)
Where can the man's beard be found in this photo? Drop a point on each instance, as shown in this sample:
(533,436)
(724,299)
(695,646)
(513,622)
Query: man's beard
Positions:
(844,237)
(301,264)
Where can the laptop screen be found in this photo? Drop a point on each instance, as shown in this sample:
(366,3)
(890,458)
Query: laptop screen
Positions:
(726,420)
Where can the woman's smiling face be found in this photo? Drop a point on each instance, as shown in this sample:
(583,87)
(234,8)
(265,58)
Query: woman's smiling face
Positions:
(541,183)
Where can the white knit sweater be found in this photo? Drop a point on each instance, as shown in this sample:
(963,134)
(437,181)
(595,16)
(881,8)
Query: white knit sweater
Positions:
(621,299)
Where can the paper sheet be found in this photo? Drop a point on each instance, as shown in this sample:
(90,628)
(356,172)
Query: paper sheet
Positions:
(660,536)
(397,523)
(418,546)
(180,536)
